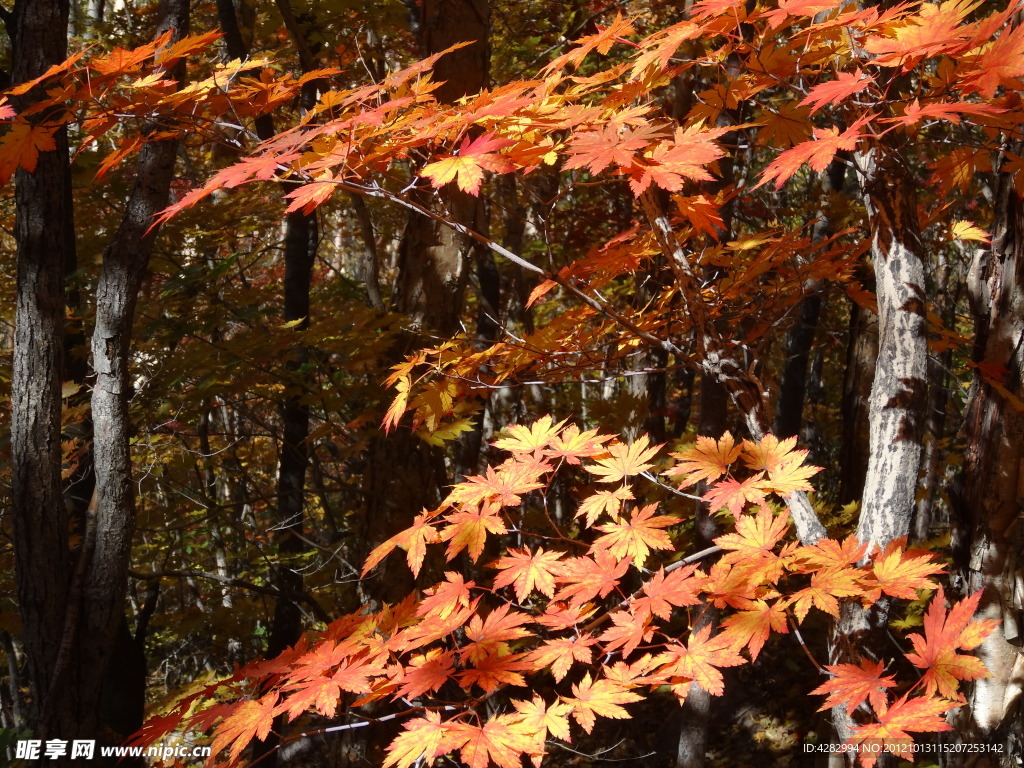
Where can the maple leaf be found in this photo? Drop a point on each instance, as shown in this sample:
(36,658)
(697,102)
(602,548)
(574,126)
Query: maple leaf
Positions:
(751,626)
(426,672)
(572,445)
(609,502)
(637,537)
(827,586)
(423,738)
(769,453)
(663,591)
(501,739)
(596,150)
(933,31)
(529,439)
(413,540)
(468,529)
(965,230)
(627,632)
(698,661)
(852,684)
(499,626)
(542,719)
(526,572)
(495,669)
(445,598)
(309,196)
(585,577)
(944,635)
(900,572)
(846,84)
(467,168)
(599,698)
(818,152)
(791,477)
(560,654)
(21,145)
(785,127)
(601,42)
(707,460)
(625,461)
(920,714)
(735,495)
(756,536)
(670,164)
(503,487)
(830,553)
(249,720)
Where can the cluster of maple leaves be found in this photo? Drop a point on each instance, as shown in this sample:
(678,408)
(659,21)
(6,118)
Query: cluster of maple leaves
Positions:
(606,610)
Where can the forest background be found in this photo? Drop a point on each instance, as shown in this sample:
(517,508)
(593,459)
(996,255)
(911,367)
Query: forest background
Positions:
(542,295)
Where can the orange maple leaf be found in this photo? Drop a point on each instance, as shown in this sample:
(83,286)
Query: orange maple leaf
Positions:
(637,537)
(818,152)
(413,540)
(425,737)
(609,502)
(834,91)
(447,597)
(592,698)
(560,654)
(426,672)
(625,460)
(628,631)
(468,529)
(526,572)
(522,439)
(901,572)
(502,739)
(944,635)
(756,535)
(698,661)
(663,591)
(585,578)
(707,460)
(852,684)
(735,495)
(572,445)
(250,720)
(751,626)
(891,732)
(20,147)
(468,166)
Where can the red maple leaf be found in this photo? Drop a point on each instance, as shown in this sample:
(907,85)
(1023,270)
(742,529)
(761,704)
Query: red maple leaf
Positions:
(852,684)
(944,635)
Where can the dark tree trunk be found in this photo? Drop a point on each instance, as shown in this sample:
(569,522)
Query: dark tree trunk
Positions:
(109,535)
(404,474)
(800,339)
(861,355)
(43,562)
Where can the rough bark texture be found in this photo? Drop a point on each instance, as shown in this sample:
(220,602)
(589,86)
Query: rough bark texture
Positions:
(433,258)
(896,405)
(430,287)
(990,538)
(42,559)
(124,265)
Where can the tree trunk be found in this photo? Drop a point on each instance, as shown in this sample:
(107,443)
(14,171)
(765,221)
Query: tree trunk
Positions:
(990,534)
(896,404)
(404,474)
(109,534)
(43,563)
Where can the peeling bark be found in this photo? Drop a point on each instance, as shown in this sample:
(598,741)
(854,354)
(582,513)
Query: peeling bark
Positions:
(990,537)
